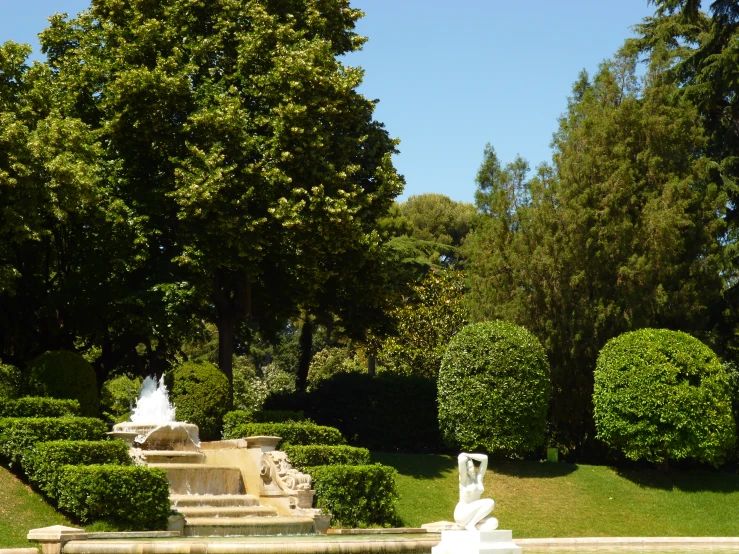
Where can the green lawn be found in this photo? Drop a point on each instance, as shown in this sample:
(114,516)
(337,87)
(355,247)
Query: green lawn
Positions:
(563,500)
(21,509)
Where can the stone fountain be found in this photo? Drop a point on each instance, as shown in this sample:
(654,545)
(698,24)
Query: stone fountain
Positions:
(222,488)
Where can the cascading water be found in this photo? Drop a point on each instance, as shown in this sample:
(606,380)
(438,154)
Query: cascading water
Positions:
(152,404)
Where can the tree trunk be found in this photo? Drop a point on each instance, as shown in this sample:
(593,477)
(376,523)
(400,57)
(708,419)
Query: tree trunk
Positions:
(371,363)
(306,353)
(226,329)
(664,466)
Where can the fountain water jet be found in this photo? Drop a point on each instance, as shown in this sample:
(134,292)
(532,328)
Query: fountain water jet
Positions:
(153,422)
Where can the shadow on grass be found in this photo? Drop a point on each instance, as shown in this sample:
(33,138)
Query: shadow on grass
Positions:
(418,466)
(697,480)
(539,470)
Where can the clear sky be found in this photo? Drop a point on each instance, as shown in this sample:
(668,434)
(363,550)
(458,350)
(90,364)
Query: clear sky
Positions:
(451,77)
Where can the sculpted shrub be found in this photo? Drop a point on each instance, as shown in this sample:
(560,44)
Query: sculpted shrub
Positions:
(39,406)
(135,496)
(309,455)
(663,394)
(299,432)
(43,462)
(199,392)
(357,496)
(62,374)
(10,381)
(494,389)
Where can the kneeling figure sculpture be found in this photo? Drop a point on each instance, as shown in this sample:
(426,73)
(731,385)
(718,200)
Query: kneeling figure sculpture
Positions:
(472,511)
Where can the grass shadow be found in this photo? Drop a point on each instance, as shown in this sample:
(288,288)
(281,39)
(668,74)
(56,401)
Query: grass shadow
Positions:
(529,469)
(696,480)
(418,466)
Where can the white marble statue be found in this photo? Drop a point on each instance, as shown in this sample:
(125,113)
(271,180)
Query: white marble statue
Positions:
(472,511)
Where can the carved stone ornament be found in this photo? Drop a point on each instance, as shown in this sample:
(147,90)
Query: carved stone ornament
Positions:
(278,474)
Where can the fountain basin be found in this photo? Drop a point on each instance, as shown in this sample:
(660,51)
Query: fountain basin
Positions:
(173,435)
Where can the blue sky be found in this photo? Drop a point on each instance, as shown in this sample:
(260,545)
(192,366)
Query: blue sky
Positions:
(451,78)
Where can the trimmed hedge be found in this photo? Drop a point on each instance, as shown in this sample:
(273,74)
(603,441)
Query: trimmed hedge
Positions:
(240,417)
(386,412)
(662,394)
(19,434)
(494,390)
(63,374)
(304,432)
(199,392)
(43,462)
(357,496)
(304,456)
(137,496)
(39,406)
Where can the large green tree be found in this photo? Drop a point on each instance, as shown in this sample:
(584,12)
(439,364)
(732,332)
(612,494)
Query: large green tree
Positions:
(624,230)
(236,138)
(697,51)
(71,275)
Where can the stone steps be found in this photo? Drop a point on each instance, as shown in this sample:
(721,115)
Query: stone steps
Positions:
(226,511)
(204,500)
(247,526)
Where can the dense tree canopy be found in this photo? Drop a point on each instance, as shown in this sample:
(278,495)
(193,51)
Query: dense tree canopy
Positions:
(623,231)
(237,142)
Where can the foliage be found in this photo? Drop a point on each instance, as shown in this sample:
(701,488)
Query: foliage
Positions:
(238,142)
(305,456)
(199,392)
(623,231)
(10,381)
(494,389)
(44,462)
(62,374)
(240,417)
(39,406)
(118,394)
(332,360)
(663,394)
(136,495)
(301,433)
(252,386)
(424,325)
(438,217)
(386,412)
(19,434)
(356,496)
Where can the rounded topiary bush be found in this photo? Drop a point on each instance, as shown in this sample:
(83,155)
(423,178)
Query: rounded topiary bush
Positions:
(663,394)
(10,381)
(63,374)
(494,389)
(199,392)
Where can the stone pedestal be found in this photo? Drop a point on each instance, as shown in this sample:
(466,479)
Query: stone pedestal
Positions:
(476,542)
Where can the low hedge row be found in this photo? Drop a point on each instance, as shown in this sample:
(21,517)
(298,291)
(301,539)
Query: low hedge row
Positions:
(357,496)
(241,417)
(40,406)
(305,456)
(19,434)
(43,462)
(304,432)
(137,496)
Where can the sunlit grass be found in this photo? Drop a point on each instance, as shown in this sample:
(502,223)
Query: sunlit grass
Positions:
(537,499)
(21,509)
